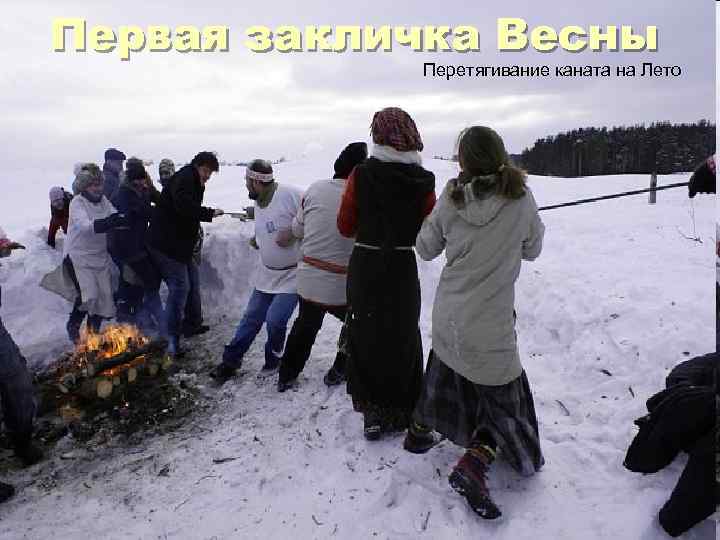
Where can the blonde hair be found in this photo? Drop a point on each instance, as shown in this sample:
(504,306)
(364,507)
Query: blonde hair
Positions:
(486,166)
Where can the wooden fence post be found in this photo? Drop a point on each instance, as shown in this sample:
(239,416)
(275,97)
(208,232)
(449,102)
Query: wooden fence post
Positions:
(653,186)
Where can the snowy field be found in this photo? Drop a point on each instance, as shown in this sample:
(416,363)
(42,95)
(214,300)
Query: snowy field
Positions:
(620,295)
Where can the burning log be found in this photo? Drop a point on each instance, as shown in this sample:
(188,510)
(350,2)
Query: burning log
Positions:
(153,348)
(152,368)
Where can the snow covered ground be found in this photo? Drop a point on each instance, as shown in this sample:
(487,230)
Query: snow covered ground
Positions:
(619,296)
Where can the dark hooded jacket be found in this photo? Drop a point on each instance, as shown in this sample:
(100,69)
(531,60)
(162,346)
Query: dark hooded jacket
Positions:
(127,243)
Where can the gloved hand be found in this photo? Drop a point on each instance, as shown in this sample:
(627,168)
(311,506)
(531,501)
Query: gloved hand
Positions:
(114,221)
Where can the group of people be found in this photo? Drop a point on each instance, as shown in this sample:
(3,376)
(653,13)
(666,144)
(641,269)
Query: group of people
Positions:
(119,223)
(346,247)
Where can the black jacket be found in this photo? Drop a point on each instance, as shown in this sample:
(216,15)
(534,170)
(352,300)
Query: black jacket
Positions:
(177,216)
(389,200)
(682,418)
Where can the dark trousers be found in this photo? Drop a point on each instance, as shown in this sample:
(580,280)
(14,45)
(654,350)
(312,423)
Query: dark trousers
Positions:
(127,296)
(302,338)
(193,308)
(16,391)
(145,300)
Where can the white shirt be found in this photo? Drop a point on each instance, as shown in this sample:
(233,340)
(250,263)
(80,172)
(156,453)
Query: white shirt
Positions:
(277,269)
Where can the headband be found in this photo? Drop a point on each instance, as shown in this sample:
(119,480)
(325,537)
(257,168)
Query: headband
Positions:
(262,177)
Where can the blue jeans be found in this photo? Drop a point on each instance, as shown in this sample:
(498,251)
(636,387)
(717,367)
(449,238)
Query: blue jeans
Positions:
(275,311)
(175,275)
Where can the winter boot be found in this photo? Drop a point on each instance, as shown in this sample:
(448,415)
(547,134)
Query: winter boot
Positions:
(468,478)
(272,362)
(191,331)
(74,323)
(419,439)
(282,385)
(29,453)
(124,312)
(6,491)
(373,427)
(334,377)
(173,348)
(222,372)
(94,322)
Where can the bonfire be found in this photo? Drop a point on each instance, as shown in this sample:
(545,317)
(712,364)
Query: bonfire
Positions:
(102,362)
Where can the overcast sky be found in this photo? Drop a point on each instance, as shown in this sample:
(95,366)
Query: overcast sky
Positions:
(59,108)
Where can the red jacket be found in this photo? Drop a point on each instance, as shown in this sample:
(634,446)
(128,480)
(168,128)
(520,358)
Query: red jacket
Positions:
(59,220)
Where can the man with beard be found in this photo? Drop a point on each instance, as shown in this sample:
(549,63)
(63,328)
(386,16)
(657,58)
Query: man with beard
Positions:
(274,297)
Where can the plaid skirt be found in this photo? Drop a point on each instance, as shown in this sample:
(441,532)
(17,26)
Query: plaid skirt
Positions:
(459,409)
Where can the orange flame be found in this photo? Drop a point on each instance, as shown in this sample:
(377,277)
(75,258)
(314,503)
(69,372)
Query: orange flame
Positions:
(113,340)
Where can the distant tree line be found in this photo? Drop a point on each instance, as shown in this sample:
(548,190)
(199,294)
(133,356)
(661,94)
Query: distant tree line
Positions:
(662,147)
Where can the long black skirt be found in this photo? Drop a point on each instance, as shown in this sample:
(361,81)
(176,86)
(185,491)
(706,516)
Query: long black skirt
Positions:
(460,409)
(384,344)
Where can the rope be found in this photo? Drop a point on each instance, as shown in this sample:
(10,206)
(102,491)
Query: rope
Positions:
(613,196)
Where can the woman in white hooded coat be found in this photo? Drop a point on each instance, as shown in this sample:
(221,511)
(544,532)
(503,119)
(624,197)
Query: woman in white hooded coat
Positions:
(85,277)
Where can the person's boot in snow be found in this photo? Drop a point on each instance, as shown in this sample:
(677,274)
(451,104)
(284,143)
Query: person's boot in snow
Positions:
(372,426)
(173,348)
(29,453)
(419,439)
(6,491)
(94,322)
(272,362)
(222,372)
(334,377)
(282,385)
(123,312)
(468,478)
(191,331)
(74,323)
